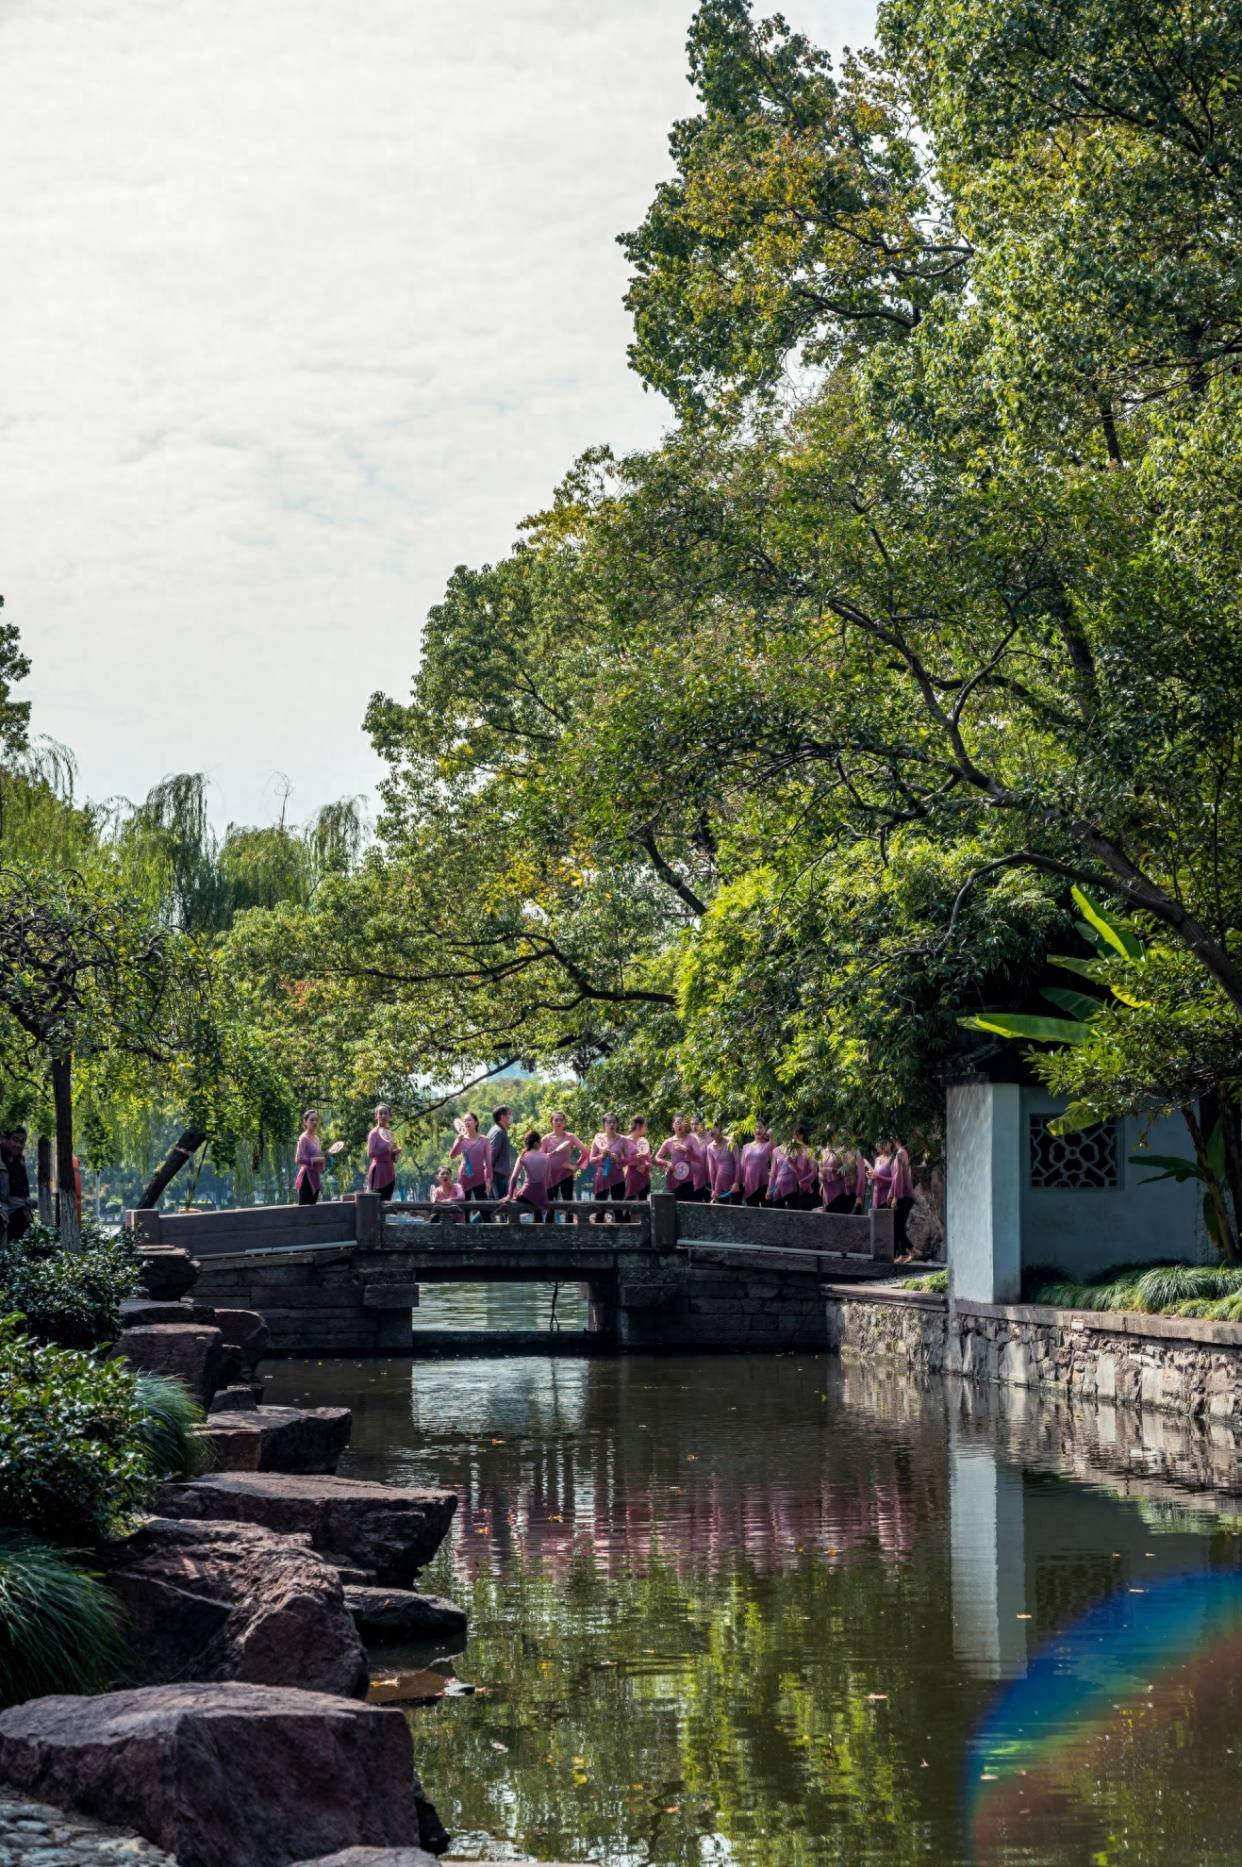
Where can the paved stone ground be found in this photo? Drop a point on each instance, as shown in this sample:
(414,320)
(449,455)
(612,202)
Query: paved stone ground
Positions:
(33,1835)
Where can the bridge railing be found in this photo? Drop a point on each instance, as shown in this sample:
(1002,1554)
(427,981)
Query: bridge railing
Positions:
(660,1222)
(473,1224)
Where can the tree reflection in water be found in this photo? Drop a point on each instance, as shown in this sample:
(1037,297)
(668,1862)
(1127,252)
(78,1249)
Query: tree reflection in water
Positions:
(751,1610)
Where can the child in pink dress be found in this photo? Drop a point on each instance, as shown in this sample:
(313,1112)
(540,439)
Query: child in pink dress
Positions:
(609,1156)
(446,1192)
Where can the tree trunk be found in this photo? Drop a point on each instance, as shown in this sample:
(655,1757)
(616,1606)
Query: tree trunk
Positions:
(185,1145)
(66,1198)
(43,1179)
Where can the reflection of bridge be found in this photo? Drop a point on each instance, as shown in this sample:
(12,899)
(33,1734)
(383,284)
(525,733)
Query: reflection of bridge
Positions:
(343,1277)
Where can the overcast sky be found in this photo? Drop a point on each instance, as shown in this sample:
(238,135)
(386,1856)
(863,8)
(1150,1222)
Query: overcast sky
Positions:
(304,304)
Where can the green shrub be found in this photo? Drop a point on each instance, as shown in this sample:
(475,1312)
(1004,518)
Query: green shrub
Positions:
(59,1626)
(1213,1291)
(74,1462)
(69,1298)
(937,1281)
(168,1422)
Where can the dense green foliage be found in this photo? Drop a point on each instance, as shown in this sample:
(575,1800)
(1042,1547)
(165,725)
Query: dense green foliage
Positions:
(84,1442)
(766,754)
(73,1466)
(70,1299)
(59,1625)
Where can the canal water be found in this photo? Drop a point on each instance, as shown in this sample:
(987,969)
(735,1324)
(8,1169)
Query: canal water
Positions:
(774,1612)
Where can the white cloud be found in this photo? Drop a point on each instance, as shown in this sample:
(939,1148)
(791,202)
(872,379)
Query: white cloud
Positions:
(305,303)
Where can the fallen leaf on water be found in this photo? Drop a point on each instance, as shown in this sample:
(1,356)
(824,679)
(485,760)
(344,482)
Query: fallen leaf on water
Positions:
(497,1745)
(875,1697)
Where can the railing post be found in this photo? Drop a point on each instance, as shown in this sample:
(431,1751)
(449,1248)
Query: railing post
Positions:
(145,1224)
(882,1234)
(663,1221)
(368,1221)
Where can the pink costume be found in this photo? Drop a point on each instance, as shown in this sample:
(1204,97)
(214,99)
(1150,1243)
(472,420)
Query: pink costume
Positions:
(476,1160)
(754,1167)
(882,1182)
(903,1179)
(608,1156)
(700,1173)
(309,1158)
(804,1166)
(559,1149)
(721,1168)
(677,1159)
(529,1179)
(638,1168)
(442,1195)
(382,1153)
(783,1179)
(839,1174)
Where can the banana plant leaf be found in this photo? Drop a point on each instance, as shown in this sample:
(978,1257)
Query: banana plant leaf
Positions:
(1078,1005)
(1120,938)
(1085,968)
(1175,1167)
(1034,1029)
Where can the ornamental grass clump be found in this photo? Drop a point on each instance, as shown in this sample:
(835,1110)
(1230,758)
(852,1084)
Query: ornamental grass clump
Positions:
(1210,1291)
(59,1625)
(169,1419)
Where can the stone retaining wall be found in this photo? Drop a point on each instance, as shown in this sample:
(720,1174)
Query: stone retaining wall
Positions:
(341,1301)
(1162,1363)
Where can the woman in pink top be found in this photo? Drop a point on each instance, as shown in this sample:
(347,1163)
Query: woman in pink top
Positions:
(700,1175)
(842,1177)
(475,1154)
(754,1166)
(676,1156)
(309,1160)
(902,1197)
(528,1183)
(806,1167)
(787,1182)
(609,1153)
(721,1165)
(881,1178)
(638,1162)
(566,1154)
(382,1152)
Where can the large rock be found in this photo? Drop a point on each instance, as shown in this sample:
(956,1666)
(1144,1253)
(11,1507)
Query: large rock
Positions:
(137,1312)
(374,1857)
(191,1352)
(221,1775)
(279,1439)
(241,1399)
(245,1330)
(166,1271)
(388,1530)
(233,1601)
(387,1614)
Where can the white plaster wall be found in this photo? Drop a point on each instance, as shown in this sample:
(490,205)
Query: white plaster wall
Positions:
(983,1191)
(1083,1232)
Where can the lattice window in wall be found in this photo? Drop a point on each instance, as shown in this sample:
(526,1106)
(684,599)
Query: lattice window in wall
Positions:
(1073,1163)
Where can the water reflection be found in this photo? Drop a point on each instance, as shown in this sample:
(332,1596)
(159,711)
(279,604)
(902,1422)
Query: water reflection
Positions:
(761,1610)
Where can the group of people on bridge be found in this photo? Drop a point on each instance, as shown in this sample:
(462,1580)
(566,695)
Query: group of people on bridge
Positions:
(698,1161)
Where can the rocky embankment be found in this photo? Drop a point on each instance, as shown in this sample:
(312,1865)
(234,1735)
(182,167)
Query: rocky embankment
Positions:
(244,1738)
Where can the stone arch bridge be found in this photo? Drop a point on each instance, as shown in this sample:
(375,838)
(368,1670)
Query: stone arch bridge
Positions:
(343,1277)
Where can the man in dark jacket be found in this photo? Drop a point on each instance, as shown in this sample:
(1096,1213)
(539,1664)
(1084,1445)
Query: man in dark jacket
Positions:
(21,1214)
(502,1151)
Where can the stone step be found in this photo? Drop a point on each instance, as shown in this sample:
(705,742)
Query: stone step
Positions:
(391,1530)
(193,1353)
(278,1439)
(225,1775)
(391,1614)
